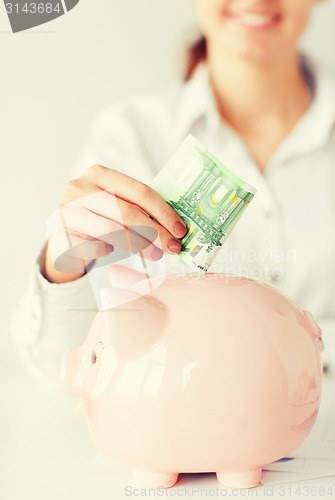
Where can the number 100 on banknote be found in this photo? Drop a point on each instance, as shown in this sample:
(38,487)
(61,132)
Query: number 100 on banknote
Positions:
(208,197)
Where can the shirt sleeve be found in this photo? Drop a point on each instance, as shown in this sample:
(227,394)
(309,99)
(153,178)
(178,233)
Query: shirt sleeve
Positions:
(50,318)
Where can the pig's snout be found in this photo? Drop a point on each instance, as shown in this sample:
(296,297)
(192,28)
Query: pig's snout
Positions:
(71,375)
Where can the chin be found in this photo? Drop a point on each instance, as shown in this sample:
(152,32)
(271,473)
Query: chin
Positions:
(255,55)
(257,52)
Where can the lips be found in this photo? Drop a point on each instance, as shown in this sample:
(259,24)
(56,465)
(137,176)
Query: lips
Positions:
(255,19)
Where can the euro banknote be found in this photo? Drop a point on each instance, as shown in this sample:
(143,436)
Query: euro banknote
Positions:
(208,196)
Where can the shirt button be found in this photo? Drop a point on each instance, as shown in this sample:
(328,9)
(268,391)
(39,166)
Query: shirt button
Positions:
(276,274)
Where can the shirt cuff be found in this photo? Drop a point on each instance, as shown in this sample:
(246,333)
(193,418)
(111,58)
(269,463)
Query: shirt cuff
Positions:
(50,318)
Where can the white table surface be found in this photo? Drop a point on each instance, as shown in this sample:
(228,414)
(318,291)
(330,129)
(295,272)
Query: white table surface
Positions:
(46,454)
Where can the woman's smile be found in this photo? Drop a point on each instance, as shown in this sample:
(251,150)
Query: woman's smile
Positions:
(255,19)
(260,30)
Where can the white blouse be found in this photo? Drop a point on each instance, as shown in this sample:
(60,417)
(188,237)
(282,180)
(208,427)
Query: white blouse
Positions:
(285,237)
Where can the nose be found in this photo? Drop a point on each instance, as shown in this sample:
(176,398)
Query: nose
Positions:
(71,372)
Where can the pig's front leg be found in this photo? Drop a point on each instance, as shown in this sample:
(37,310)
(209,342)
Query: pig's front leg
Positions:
(148,479)
(240,479)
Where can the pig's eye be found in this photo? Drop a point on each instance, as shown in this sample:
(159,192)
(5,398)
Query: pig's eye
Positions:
(96,352)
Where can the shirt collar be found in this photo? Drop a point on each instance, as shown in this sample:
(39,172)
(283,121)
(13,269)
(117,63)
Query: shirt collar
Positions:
(315,126)
(198,101)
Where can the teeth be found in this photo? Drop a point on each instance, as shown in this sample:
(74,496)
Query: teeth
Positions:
(256,19)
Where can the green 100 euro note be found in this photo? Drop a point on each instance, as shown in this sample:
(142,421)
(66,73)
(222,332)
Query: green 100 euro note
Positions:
(207,196)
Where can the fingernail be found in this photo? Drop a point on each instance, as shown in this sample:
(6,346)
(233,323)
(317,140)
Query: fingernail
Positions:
(174,246)
(180,229)
(109,248)
(157,253)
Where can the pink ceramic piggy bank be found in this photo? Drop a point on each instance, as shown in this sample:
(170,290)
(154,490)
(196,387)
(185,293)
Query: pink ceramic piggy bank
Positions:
(208,373)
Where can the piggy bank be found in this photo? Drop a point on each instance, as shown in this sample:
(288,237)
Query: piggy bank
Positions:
(204,373)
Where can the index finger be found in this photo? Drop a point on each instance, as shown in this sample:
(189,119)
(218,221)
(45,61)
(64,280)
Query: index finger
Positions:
(142,195)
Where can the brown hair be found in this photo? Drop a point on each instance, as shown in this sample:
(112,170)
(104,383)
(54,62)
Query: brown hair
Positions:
(196,53)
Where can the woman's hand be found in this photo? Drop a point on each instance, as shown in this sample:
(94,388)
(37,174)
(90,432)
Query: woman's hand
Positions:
(102,212)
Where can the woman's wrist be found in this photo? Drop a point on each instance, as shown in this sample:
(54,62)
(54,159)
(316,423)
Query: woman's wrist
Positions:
(52,275)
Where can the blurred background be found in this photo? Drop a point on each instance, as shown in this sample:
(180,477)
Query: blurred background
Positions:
(54,80)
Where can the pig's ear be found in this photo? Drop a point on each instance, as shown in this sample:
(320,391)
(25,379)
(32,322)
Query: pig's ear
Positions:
(124,277)
(134,328)
(113,298)
(127,285)
(133,280)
